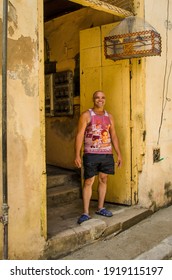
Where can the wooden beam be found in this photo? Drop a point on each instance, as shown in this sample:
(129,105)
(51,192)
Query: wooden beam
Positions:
(104,7)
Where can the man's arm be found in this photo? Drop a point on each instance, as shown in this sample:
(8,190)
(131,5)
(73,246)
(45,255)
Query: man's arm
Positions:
(115,141)
(82,124)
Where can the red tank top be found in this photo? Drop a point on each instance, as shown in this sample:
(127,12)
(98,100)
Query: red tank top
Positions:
(97,138)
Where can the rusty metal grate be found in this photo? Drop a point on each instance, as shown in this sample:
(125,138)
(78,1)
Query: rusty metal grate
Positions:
(127,5)
(145,42)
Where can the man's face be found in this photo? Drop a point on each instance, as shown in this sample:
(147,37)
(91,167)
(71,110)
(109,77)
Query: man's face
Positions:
(104,136)
(99,99)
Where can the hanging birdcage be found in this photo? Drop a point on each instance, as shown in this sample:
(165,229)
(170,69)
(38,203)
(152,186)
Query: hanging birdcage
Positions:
(133,37)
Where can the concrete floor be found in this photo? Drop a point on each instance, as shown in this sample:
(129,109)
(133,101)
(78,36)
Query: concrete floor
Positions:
(65,216)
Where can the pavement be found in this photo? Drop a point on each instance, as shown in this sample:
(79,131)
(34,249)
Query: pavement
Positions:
(132,233)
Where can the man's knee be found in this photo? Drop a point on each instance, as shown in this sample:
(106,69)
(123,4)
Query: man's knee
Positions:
(103,178)
(89,182)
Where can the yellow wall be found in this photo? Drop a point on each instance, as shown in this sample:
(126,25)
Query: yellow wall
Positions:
(26,143)
(60,135)
(63,38)
(26,182)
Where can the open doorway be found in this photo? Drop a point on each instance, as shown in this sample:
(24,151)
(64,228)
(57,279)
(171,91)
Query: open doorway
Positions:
(62,108)
(62,60)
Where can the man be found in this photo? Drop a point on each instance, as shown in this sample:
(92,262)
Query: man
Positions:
(96,124)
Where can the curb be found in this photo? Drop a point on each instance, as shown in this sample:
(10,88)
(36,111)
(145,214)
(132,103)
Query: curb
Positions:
(91,231)
(162,251)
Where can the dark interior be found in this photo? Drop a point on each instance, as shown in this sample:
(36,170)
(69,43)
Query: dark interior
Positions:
(54,8)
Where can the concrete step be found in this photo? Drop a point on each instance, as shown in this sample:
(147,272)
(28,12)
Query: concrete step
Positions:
(68,178)
(66,236)
(63,194)
(63,186)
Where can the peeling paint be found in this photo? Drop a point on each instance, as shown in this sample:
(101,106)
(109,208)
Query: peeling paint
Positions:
(12,14)
(23,73)
(26,154)
(21,63)
(20,52)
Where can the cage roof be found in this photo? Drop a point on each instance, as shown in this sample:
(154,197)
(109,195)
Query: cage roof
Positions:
(131,24)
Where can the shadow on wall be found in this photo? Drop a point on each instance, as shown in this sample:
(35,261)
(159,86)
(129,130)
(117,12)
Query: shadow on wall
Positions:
(168,192)
(60,139)
(153,205)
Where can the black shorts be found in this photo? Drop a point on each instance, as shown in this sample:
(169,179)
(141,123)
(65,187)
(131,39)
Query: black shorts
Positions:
(95,163)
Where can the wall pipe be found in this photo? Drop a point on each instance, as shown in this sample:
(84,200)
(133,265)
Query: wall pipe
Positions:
(4,218)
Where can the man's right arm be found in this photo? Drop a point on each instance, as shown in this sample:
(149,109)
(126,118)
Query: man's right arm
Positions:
(82,124)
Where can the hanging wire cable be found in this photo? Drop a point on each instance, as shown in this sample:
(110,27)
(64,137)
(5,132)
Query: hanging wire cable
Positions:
(168,80)
(165,98)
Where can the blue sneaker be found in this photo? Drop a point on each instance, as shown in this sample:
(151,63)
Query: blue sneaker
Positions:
(83,218)
(104,212)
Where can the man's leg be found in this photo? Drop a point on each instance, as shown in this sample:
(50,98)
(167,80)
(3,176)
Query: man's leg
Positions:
(87,193)
(102,189)
(102,192)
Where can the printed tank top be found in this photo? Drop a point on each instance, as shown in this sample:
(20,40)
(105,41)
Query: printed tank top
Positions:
(97,138)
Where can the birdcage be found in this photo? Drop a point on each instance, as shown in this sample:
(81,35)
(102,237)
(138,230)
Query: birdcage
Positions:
(133,37)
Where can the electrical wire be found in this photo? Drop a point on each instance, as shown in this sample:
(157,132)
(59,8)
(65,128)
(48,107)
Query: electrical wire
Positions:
(165,98)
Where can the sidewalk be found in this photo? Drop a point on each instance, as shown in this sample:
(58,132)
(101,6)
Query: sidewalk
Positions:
(66,236)
(150,239)
(162,251)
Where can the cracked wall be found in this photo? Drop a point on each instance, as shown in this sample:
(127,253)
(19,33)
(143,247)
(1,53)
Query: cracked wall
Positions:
(156,176)
(25,156)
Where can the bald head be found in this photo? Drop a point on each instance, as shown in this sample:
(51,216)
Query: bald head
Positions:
(99,99)
(97,92)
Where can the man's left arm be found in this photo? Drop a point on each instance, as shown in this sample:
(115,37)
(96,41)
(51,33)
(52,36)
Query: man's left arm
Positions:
(115,141)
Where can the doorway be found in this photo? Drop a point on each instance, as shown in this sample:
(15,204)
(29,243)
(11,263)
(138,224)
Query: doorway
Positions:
(82,52)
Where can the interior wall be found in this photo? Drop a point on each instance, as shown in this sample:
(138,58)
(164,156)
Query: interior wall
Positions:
(62,35)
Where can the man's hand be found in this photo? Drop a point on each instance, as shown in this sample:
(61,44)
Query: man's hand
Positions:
(119,161)
(83,121)
(78,161)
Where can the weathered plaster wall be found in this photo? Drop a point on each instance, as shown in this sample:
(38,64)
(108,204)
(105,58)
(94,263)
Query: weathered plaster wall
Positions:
(25,155)
(1,200)
(63,38)
(155,187)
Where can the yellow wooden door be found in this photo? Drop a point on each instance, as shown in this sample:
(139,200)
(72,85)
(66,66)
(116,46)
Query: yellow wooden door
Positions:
(114,79)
